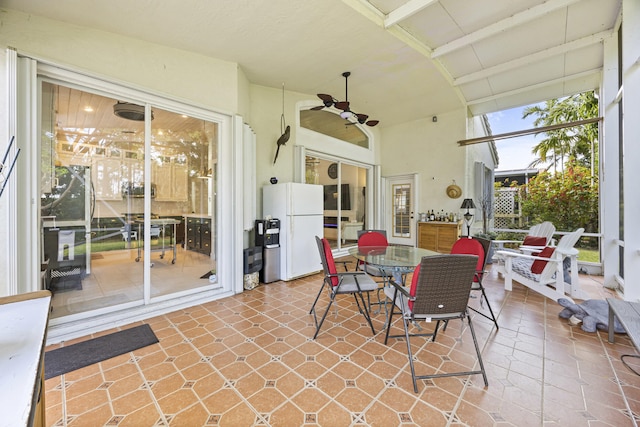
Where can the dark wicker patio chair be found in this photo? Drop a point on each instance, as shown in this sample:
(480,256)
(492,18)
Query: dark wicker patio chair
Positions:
(439,291)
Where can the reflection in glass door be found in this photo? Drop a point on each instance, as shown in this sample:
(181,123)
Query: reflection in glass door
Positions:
(181,224)
(344,198)
(87,159)
(109,202)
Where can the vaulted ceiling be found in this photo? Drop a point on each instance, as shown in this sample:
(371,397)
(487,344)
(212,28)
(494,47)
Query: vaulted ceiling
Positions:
(409,59)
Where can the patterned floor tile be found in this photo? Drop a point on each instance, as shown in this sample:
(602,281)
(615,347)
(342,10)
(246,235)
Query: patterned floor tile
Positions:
(250,360)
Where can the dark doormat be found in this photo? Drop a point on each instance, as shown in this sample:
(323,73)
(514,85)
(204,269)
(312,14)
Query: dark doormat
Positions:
(76,356)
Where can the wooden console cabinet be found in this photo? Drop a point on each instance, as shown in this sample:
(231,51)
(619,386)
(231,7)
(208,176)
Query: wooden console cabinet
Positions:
(438,236)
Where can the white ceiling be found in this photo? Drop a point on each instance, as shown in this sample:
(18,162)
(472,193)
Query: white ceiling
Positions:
(409,59)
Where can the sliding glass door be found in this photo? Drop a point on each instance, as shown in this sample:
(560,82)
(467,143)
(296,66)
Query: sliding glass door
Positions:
(182,216)
(344,198)
(127,206)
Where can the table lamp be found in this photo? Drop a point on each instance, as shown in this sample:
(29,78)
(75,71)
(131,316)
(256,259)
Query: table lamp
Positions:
(468,216)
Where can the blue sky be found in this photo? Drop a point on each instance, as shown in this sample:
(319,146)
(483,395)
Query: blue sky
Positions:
(514,153)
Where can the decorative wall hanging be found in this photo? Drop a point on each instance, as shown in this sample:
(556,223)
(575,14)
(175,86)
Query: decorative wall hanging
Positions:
(4,174)
(284,128)
(454,191)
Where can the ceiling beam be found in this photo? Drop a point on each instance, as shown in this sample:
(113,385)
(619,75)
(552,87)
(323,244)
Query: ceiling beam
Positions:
(517,133)
(502,25)
(537,86)
(535,57)
(366,9)
(405,11)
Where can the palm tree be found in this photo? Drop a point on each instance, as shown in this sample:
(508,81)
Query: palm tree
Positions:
(579,143)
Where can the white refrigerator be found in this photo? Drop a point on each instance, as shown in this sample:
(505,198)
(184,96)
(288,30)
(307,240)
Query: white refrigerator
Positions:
(300,209)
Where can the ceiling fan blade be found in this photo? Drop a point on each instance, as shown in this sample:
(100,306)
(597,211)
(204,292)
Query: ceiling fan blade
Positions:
(325,97)
(372,122)
(342,105)
(362,118)
(318,107)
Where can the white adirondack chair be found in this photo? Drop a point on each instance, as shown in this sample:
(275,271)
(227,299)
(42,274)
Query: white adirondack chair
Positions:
(544,229)
(551,281)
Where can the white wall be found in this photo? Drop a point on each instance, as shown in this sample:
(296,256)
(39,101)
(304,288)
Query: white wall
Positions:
(244,96)
(5,221)
(479,152)
(431,150)
(266,111)
(179,74)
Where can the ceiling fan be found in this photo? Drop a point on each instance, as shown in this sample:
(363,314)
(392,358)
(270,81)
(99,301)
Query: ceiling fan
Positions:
(329,101)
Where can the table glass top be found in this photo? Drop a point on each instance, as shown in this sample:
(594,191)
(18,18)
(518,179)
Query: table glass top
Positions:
(391,256)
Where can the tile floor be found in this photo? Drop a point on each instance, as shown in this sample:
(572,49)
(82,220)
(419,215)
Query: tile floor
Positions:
(248,360)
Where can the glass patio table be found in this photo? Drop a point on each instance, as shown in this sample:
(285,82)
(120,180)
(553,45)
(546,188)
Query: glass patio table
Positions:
(397,260)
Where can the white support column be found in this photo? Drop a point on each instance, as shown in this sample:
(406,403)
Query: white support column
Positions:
(609,170)
(631,136)
(8,209)
(236,220)
(24,183)
(378,201)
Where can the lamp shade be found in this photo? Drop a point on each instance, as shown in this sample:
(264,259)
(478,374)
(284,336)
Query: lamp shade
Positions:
(467,204)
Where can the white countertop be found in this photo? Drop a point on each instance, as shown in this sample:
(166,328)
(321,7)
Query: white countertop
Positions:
(23,326)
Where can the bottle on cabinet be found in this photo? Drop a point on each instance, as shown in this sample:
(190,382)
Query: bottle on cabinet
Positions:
(440,216)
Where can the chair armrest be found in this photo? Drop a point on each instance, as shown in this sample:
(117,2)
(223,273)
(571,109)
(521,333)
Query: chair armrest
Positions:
(403,289)
(524,256)
(344,264)
(349,273)
(567,251)
(529,249)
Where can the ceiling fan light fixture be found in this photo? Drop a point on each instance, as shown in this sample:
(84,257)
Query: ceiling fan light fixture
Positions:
(350,116)
(129,111)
